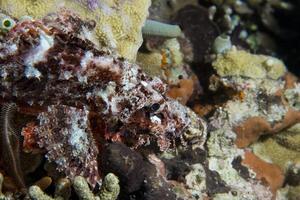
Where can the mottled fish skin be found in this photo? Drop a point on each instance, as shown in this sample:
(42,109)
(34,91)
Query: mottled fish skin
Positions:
(50,62)
(53,64)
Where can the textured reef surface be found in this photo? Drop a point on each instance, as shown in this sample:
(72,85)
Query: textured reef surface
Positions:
(140,99)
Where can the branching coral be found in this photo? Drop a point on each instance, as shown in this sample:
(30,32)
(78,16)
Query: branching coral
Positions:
(109,190)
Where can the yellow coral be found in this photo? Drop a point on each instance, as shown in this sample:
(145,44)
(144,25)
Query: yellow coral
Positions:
(150,63)
(269,150)
(119,22)
(241,63)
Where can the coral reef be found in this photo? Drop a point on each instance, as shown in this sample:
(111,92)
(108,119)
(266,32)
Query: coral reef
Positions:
(282,149)
(117,23)
(167,62)
(81,119)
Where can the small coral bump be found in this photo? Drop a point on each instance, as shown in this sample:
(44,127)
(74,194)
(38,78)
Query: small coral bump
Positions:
(110,188)
(152,27)
(36,193)
(221,44)
(82,189)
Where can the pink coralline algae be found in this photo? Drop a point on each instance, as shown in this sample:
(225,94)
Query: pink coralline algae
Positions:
(50,63)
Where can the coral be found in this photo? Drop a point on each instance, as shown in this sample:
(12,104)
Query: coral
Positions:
(63,188)
(109,190)
(238,122)
(151,63)
(37,194)
(221,44)
(261,110)
(62,191)
(289,192)
(241,63)
(222,156)
(167,63)
(118,22)
(82,189)
(250,130)
(183,91)
(271,151)
(293,96)
(195,180)
(270,173)
(289,138)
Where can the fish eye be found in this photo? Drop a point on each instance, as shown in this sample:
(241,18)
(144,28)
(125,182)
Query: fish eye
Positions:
(7,24)
(154,107)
